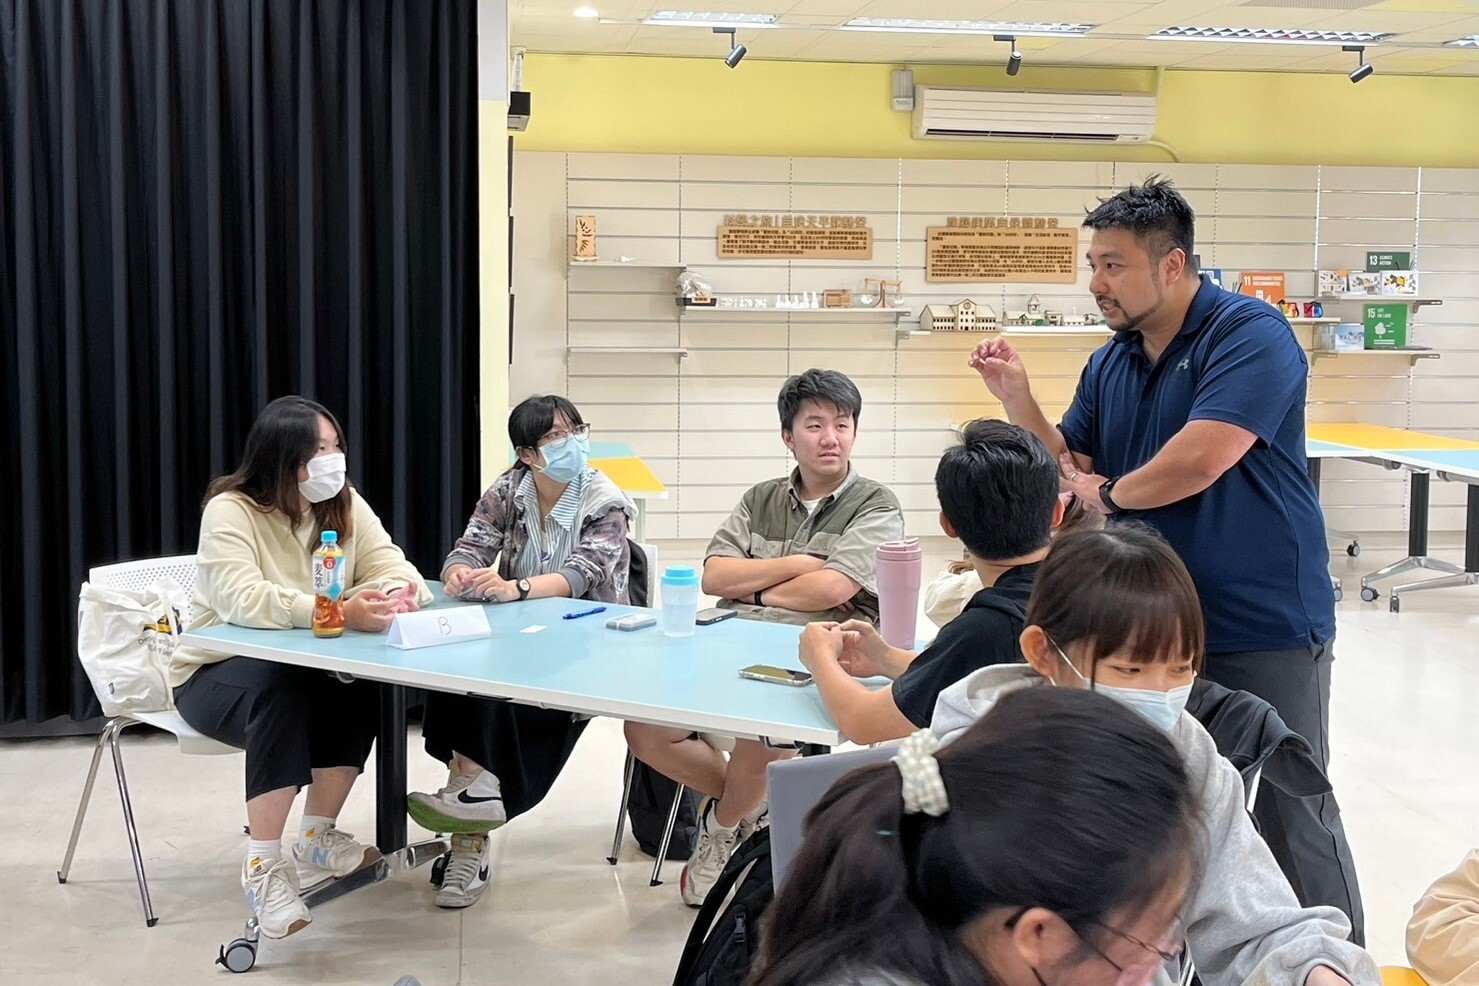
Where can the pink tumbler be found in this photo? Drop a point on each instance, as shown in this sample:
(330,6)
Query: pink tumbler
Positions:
(900,568)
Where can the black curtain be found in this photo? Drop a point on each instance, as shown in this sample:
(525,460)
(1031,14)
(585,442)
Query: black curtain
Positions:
(206,204)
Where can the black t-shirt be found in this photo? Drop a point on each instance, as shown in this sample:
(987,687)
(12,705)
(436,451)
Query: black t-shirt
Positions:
(985,633)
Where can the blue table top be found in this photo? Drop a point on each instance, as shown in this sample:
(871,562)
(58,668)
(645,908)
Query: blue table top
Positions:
(578,665)
(1460,463)
(1316,449)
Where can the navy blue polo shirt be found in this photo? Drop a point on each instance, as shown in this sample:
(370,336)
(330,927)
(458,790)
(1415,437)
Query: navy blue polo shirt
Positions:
(1254,541)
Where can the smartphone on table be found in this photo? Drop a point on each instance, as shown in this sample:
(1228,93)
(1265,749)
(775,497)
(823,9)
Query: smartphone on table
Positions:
(778,676)
(712,615)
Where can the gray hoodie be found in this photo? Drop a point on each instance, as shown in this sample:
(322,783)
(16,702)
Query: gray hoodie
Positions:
(1245,926)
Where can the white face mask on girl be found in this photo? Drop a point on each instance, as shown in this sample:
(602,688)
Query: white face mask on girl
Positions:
(1161,709)
(325,477)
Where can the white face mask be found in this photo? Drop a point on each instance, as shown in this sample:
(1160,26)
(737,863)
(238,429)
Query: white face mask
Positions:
(1161,709)
(325,477)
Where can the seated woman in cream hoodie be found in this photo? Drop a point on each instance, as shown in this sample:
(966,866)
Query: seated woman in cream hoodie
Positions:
(1443,935)
(299,727)
(1116,611)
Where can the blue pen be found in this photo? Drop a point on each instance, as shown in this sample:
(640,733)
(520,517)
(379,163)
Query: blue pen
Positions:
(586,612)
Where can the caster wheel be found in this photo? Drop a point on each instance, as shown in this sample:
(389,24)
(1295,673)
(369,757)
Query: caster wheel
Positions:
(1369,594)
(1354,550)
(239,956)
(1339,595)
(1396,605)
(439,870)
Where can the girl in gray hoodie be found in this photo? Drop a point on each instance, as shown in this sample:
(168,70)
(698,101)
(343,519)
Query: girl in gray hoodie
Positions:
(1115,611)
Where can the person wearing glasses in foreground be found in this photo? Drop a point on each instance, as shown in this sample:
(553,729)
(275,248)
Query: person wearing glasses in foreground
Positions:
(1053,843)
(549,526)
(1115,612)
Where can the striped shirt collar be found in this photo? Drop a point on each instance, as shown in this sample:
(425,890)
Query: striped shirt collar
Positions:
(566,509)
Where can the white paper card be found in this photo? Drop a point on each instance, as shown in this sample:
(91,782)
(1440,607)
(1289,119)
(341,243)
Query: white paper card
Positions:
(428,628)
(535,628)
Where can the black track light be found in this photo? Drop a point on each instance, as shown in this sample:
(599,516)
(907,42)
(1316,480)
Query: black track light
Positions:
(737,51)
(1014,61)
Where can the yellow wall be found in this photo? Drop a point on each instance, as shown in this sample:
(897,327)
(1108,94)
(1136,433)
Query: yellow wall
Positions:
(830,109)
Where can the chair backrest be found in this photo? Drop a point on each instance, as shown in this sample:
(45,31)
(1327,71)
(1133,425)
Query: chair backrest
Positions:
(141,574)
(650,572)
(796,786)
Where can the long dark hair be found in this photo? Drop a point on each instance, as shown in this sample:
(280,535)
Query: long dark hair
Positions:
(1119,589)
(283,438)
(1059,798)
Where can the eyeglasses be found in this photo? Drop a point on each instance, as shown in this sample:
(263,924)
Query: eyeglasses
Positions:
(1139,973)
(1176,934)
(558,435)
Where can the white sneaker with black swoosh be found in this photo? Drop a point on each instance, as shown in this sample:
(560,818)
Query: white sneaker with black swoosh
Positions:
(470,804)
(465,876)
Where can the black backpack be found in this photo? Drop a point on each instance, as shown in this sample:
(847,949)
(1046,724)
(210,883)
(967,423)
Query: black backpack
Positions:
(648,805)
(721,946)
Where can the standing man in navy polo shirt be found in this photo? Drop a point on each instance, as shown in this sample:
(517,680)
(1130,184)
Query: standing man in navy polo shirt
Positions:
(1191,420)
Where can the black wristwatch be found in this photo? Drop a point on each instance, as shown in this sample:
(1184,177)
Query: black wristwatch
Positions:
(524,587)
(1104,494)
(757,599)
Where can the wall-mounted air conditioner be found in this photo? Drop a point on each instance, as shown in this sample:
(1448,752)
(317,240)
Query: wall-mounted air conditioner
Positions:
(1036,115)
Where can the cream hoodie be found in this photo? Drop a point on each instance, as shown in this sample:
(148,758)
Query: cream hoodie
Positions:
(1245,926)
(1443,935)
(254,571)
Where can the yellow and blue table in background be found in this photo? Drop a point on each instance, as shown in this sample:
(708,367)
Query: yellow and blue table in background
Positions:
(1424,456)
(631,475)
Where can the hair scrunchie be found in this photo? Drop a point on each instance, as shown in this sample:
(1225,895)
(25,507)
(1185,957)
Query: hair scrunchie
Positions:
(923,788)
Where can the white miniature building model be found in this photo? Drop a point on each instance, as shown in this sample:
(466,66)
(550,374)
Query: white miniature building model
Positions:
(963,316)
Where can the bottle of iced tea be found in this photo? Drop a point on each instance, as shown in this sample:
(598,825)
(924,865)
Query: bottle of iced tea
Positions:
(328,586)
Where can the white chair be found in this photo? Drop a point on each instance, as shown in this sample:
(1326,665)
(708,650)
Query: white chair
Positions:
(136,575)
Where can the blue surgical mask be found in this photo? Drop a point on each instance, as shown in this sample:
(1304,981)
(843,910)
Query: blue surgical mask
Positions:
(565,459)
(1161,709)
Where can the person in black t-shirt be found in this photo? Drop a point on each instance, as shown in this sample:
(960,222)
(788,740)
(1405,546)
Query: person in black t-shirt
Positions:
(998,491)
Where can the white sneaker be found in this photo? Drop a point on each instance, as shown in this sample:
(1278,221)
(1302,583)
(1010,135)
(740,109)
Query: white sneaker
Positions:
(272,891)
(715,846)
(329,854)
(752,823)
(471,804)
(465,876)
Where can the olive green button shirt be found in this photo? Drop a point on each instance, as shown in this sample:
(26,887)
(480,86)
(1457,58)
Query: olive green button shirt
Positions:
(845,529)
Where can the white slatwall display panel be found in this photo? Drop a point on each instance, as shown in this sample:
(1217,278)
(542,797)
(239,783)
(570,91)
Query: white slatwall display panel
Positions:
(707,423)
(1445,398)
(1361,209)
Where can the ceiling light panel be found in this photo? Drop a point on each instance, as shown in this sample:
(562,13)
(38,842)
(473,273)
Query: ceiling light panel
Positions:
(910,25)
(1253,35)
(707,18)
(1472,41)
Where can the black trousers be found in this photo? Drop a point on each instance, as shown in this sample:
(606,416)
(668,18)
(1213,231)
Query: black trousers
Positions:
(1305,834)
(525,747)
(288,720)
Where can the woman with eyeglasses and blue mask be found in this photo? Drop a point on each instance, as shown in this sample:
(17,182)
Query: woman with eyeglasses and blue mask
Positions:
(549,526)
(1116,612)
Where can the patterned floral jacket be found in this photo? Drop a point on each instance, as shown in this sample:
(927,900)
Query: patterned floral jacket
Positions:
(598,566)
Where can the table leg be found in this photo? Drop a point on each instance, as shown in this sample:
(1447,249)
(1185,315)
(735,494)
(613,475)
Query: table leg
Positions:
(1470,573)
(390,770)
(1417,542)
